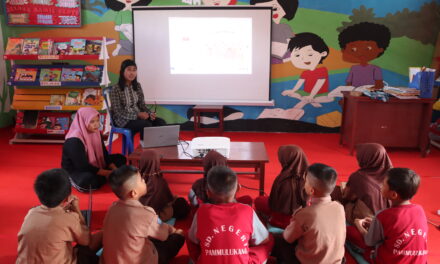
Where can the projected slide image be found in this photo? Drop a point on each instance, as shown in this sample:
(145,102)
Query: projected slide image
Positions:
(210,45)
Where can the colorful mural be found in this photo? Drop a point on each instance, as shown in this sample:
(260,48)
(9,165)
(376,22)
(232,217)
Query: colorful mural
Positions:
(306,92)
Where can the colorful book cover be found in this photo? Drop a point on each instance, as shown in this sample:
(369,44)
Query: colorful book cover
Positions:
(50,75)
(92,73)
(30,46)
(26,74)
(57,99)
(45,47)
(73,98)
(61,48)
(61,123)
(71,74)
(77,46)
(91,96)
(93,47)
(46,122)
(14,46)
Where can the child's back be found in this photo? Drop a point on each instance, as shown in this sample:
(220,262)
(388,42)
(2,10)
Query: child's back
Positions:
(45,235)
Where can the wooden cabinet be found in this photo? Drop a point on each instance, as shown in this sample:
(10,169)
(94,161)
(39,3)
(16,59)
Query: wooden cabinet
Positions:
(396,123)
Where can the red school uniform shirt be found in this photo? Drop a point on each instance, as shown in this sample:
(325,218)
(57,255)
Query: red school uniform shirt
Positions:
(400,235)
(311,77)
(224,232)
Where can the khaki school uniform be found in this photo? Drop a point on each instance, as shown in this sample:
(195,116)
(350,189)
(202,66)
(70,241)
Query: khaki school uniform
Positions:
(320,231)
(127,226)
(47,234)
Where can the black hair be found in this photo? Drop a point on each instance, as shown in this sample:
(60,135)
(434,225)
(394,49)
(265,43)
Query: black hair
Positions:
(92,96)
(221,180)
(118,6)
(121,81)
(289,6)
(403,181)
(366,31)
(52,187)
(326,176)
(305,39)
(118,177)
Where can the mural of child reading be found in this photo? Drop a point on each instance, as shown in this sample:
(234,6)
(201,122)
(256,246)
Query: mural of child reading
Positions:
(362,43)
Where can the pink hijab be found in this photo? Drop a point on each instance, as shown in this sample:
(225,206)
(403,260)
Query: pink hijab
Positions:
(92,141)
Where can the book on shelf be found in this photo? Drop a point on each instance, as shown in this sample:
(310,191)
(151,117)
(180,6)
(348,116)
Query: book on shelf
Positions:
(25,74)
(73,98)
(14,46)
(92,73)
(30,46)
(77,46)
(46,46)
(45,121)
(57,99)
(93,47)
(91,96)
(50,74)
(61,123)
(71,74)
(61,48)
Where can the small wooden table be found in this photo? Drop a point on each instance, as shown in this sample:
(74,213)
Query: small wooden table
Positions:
(242,155)
(198,109)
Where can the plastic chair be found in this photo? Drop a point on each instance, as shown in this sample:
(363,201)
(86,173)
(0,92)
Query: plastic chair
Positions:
(127,137)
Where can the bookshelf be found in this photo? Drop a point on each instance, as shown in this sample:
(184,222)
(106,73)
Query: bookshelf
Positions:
(48,92)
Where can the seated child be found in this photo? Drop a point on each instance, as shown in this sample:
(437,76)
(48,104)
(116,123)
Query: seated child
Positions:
(362,196)
(319,229)
(159,195)
(226,231)
(198,193)
(49,229)
(128,224)
(287,193)
(399,233)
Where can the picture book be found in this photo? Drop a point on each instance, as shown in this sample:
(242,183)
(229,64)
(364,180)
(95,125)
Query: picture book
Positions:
(92,73)
(14,46)
(61,123)
(71,74)
(30,46)
(57,99)
(61,48)
(73,98)
(91,96)
(46,122)
(77,46)
(45,47)
(26,74)
(93,47)
(50,74)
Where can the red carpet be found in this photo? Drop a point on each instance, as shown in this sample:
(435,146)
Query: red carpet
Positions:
(19,165)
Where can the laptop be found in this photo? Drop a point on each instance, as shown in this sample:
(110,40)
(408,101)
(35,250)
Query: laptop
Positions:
(160,136)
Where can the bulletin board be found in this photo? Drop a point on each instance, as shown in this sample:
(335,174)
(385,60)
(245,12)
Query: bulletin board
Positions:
(51,13)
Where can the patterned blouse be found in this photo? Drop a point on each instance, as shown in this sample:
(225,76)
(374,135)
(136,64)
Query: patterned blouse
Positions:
(126,104)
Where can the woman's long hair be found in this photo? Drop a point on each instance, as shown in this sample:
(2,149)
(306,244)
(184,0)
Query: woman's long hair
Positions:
(121,81)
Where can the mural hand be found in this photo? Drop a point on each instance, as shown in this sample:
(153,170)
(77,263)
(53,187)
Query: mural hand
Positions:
(117,28)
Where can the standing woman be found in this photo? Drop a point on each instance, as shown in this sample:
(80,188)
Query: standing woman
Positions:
(127,102)
(84,154)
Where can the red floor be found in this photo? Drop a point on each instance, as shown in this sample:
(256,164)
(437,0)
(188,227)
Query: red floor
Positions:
(19,165)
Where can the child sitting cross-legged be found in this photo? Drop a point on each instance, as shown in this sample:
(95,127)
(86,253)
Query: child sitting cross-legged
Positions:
(399,234)
(128,224)
(50,229)
(317,230)
(225,231)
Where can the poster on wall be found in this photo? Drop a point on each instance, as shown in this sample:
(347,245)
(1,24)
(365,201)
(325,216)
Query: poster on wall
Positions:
(51,13)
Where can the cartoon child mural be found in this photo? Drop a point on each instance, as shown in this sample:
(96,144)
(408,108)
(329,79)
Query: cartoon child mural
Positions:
(124,23)
(281,33)
(362,43)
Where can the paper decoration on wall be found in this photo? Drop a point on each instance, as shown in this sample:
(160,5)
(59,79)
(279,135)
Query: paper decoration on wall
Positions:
(59,13)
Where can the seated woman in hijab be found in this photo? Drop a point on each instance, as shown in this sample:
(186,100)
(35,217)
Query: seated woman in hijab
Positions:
(287,193)
(198,193)
(84,154)
(159,195)
(362,196)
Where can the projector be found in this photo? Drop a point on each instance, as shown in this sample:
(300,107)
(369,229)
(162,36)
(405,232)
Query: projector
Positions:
(200,146)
